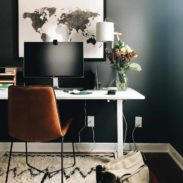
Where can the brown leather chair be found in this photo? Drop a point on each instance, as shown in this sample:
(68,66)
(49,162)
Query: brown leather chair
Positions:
(33,117)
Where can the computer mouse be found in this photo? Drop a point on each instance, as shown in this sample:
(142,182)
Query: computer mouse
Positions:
(75,91)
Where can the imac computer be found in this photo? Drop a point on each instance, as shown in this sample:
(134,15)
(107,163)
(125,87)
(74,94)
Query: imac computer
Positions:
(53,59)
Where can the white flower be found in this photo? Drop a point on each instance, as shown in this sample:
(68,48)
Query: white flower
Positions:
(123,49)
(135,66)
(128,49)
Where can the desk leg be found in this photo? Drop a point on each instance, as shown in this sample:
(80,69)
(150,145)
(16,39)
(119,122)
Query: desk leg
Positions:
(119,128)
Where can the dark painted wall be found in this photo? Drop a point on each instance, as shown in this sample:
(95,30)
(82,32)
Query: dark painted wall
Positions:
(9,33)
(175,59)
(144,26)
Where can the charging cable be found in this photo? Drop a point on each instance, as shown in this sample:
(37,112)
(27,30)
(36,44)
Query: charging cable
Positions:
(126,129)
(85,126)
(85,122)
(134,143)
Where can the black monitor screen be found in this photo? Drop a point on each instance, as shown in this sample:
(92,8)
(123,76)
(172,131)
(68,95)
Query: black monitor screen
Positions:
(45,59)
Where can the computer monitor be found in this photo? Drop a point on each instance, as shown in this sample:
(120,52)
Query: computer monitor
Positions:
(57,59)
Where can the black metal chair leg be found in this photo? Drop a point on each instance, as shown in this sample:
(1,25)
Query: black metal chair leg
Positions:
(7,173)
(62,162)
(30,166)
(74,155)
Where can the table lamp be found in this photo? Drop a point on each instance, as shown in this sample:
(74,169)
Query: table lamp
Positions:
(105,32)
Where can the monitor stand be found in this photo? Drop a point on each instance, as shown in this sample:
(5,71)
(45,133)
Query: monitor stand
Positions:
(55,82)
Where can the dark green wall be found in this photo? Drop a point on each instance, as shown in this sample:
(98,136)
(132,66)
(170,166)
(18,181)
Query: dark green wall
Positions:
(144,27)
(8,33)
(144,24)
(175,60)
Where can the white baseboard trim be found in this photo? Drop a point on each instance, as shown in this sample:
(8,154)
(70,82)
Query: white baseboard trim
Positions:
(148,147)
(84,147)
(159,148)
(176,156)
(96,147)
(56,147)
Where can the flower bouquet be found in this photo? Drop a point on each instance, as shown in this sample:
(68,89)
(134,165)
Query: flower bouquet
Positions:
(120,58)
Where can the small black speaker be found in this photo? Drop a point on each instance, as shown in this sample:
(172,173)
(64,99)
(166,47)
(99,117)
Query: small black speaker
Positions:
(55,42)
(2,70)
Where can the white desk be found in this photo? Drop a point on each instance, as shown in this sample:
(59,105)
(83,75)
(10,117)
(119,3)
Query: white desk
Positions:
(130,94)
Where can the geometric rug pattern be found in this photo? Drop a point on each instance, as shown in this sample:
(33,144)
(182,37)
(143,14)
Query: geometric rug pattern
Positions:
(82,172)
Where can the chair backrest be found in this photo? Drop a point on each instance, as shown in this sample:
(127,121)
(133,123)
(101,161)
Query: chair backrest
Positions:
(32,113)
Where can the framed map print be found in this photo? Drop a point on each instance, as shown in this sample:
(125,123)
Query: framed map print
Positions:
(63,20)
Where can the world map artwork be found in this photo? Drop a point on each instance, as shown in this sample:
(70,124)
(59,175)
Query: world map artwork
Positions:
(66,24)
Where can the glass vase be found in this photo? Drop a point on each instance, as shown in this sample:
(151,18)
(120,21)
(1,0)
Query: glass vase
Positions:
(121,81)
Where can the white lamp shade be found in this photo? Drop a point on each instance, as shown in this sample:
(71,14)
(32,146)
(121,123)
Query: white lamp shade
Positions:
(105,31)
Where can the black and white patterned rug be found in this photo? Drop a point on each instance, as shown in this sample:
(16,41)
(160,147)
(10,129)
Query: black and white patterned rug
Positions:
(82,172)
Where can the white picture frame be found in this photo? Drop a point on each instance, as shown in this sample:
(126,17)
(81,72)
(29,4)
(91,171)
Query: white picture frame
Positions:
(63,20)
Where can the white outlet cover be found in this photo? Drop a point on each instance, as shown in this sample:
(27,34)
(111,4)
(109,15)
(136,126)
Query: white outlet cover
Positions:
(90,121)
(138,122)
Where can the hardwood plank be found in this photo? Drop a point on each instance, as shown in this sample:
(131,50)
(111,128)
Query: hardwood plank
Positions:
(164,168)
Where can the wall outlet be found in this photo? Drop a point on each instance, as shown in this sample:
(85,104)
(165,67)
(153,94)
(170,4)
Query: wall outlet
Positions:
(90,121)
(138,121)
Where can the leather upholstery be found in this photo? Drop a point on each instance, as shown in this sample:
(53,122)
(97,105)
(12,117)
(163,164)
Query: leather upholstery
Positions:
(33,115)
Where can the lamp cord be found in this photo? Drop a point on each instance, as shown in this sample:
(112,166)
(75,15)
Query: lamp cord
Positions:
(96,73)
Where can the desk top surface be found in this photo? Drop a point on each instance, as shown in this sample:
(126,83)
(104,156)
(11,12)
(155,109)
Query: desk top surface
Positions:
(129,94)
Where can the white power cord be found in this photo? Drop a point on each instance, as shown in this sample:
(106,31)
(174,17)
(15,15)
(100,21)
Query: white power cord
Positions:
(85,122)
(126,129)
(135,145)
(85,126)
(93,132)
(133,138)
(112,82)
(96,74)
